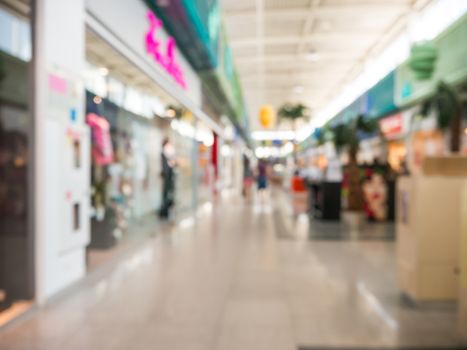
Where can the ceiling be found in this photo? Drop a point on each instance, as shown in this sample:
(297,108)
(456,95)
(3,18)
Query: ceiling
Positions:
(307,50)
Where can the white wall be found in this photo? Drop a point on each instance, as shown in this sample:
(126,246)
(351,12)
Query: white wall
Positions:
(59,183)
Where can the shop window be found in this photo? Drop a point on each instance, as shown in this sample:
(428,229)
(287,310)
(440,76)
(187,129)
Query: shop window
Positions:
(15,36)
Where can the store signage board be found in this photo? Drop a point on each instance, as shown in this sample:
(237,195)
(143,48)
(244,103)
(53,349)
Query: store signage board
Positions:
(127,27)
(392,126)
(163,53)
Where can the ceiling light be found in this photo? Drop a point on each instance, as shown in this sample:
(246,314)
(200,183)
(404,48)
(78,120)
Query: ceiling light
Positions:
(312,56)
(298,89)
(103,71)
(171,113)
(273,135)
(97,100)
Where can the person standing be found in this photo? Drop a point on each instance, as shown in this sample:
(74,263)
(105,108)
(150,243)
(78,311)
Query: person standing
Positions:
(247,178)
(168,178)
(262,178)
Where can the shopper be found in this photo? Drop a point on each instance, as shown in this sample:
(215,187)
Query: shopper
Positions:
(247,178)
(299,194)
(262,177)
(168,178)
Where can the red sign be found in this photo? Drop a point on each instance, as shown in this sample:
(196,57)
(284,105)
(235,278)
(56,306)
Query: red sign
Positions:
(391,126)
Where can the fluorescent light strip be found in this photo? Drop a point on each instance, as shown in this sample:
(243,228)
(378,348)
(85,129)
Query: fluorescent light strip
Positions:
(425,26)
(273,135)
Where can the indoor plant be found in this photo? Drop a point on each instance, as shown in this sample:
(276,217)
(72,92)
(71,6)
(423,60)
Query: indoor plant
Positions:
(293,113)
(347,135)
(447,103)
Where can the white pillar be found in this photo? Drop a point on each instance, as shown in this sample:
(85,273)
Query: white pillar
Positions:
(61,146)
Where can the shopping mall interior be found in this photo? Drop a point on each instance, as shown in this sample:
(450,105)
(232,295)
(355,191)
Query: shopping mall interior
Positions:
(233,174)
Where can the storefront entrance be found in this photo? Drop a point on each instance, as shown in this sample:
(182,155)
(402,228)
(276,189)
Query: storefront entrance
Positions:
(16,252)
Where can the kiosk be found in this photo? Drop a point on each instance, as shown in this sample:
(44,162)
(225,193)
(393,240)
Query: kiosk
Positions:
(428,228)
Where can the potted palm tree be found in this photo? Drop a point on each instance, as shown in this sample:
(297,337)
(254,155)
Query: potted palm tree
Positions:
(445,101)
(347,135)
(293,113)
(447,104)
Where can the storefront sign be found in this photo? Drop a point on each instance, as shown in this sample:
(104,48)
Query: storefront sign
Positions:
(163,53)
(129,24)
(392,126)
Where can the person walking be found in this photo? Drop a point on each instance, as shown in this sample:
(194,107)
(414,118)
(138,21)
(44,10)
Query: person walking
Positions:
(262,179)
(168,178)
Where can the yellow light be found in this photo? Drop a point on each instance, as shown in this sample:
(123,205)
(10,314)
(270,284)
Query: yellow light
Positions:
(266,116)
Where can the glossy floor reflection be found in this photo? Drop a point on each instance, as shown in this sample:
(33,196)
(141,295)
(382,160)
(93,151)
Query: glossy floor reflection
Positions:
(226,280)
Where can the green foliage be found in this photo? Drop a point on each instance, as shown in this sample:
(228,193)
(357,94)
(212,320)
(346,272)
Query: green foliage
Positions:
(446,104)
(293,112)
(342,136)
(326,134)
(425,109)
(347,134)
(422,61)
(366,125)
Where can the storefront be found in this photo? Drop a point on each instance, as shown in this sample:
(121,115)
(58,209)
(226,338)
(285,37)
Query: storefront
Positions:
(425,139)
(140,112)
(205,179)
(395,130)
(125,169)
(110,150)
(16,255)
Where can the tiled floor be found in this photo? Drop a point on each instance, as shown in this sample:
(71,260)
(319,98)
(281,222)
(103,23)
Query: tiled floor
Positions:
(227,280)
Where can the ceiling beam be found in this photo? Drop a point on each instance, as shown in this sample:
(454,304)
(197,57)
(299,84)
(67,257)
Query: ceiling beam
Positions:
(308,26)
(287,76)
(385,8)
(290,89)
(291,58)
(360,38)
(306,67)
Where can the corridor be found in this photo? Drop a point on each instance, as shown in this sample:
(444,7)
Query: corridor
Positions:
(226,279)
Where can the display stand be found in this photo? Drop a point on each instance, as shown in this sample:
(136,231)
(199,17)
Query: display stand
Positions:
(462,309)
(428,227)
(325,200)
(102,232)
(391,201)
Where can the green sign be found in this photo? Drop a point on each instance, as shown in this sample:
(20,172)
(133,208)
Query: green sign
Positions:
(450,67)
